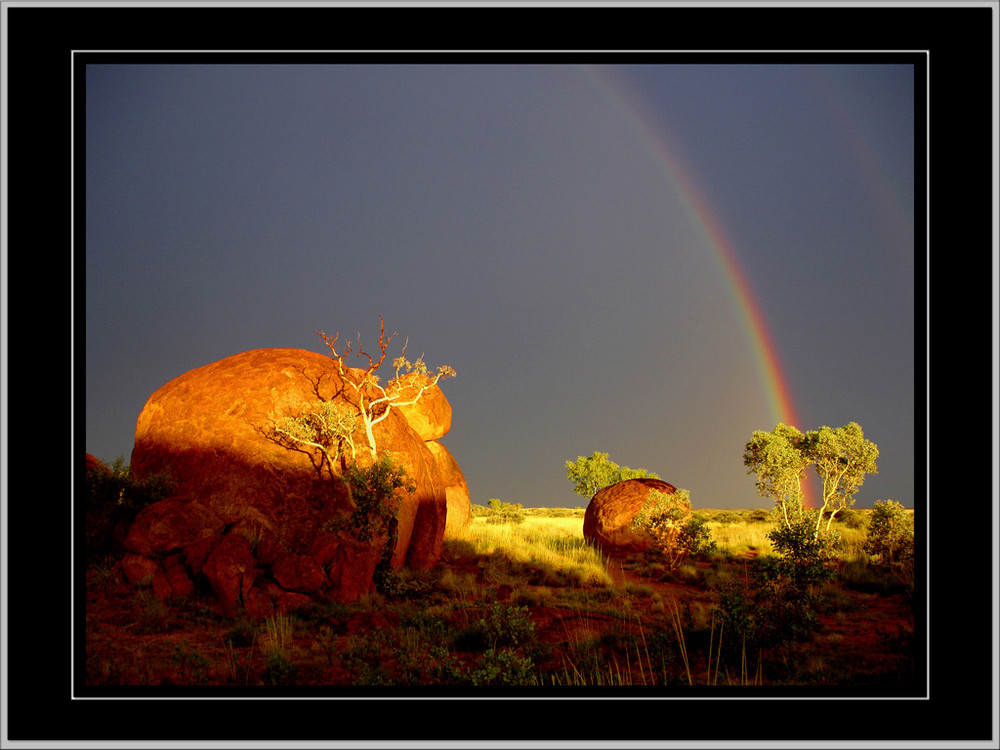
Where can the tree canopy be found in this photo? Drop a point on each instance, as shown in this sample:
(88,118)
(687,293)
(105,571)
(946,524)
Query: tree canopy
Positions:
(591,474)
(841,457)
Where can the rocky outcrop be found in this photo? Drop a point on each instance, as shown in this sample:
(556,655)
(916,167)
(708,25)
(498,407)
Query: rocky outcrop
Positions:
(172,524)
(249,516)
(455,488)
(607,522)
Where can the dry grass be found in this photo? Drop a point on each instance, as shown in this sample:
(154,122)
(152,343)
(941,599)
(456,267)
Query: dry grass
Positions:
(741,538)
(553,547)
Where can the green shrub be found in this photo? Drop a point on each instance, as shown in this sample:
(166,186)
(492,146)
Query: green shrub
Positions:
(113,499)
(504,666)
(779,602)
(804,558)
(890,535)
(375,492)
(667,519)
(504,625)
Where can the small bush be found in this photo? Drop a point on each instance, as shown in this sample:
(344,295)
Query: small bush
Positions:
(890,534)
(504,625)
(113,499)
(677,533)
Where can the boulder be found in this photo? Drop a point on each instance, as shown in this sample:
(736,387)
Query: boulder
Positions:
(230,572)
(138,569)
(171,524)
(96,464)
(181,585)
(300,573)
(208,429)
(607,521)
(430,417)
(456,489)
(350,568)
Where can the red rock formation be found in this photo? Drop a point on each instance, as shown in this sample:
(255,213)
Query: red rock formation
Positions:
(430,417)
(230,572)
(608,518)
(456,489)
(172,524)
(207,429)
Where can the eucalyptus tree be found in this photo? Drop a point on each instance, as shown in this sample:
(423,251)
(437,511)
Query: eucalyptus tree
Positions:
(591,474)
(841,457)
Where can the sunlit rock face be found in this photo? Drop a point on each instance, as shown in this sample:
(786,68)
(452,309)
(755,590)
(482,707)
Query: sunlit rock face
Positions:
(607,522)
(455,487)
(430,416)
(206,428)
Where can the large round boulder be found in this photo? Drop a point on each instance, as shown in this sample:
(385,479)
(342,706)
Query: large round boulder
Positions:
(607,522)
(211,429)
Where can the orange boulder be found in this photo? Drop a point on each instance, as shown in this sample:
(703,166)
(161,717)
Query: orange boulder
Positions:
(208,429)
(607,522)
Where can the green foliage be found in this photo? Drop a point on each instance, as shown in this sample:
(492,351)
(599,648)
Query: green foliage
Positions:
(374,490)
(779,602)
(804,558)
(501,512)
(114,498)
(594,473)
(504,666)
(323,432)
(777,460)
(890,534)
(841,457)
(505,626)
(666,518)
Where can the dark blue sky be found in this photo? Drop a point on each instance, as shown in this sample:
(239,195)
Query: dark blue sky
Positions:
(514,222)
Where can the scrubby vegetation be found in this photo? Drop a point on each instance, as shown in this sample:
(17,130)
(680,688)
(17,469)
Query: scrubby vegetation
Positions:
(531,603)
(113,499)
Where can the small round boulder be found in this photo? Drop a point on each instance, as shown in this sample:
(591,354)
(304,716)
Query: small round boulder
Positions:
(607,522)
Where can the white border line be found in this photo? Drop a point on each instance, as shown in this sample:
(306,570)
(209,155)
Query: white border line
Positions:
(631,697)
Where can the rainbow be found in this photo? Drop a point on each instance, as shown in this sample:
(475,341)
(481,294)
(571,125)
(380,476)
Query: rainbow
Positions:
(618,93)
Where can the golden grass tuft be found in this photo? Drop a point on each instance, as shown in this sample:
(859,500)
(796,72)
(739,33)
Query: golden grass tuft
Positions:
(552,547)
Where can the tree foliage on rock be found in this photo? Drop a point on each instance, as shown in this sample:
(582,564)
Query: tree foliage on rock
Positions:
(591,474)
(373,400)
(667,520)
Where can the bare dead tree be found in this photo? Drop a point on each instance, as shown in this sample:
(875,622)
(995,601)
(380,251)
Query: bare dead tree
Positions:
(374,401)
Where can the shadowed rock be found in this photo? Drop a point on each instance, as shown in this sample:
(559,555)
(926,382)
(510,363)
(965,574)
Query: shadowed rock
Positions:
(607,522)
(208,429)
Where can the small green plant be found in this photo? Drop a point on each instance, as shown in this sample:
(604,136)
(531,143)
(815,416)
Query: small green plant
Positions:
(778,602)
(276,647)
(504,625)
(374,492)
(504,666)
(191,663)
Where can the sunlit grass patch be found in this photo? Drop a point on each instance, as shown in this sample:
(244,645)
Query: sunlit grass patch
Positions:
(553,548)
(741,538)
